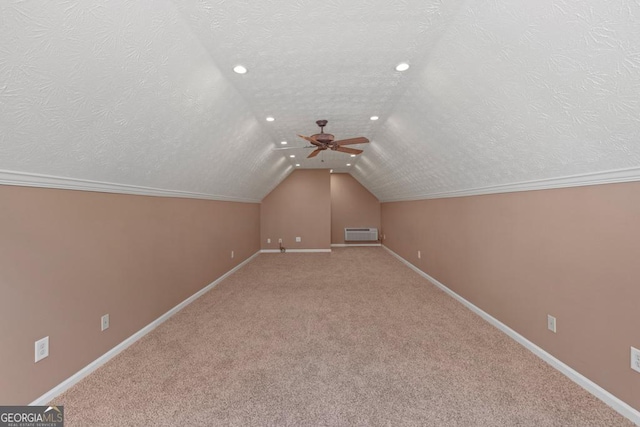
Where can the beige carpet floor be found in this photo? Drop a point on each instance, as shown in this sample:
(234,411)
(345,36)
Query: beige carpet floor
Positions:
(348,338)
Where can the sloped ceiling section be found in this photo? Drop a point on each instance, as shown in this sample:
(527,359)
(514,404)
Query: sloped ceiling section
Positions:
(515,92)
(123,92)
(142,93)
(311,60)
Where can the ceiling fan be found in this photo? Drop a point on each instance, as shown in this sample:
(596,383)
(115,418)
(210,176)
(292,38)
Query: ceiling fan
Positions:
(323,141)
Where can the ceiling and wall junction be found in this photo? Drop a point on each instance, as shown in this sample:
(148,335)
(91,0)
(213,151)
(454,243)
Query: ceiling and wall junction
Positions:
(140,96)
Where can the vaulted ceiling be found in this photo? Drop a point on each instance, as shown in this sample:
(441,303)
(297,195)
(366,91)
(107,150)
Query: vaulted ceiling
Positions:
(142,94)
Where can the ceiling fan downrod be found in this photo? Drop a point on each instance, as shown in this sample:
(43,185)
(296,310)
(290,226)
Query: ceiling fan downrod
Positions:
(322,124)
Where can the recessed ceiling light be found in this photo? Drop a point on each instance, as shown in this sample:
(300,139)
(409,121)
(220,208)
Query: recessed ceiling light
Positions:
(240,69)
(270,119)
(403,66)
(348,164)
(284,143)
(292,155)
(353,155)
(374,117)
(297,164)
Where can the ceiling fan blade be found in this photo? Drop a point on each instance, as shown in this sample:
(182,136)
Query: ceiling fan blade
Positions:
(351,141)
(349,150)
(311,140)
(293,148)
(314,153)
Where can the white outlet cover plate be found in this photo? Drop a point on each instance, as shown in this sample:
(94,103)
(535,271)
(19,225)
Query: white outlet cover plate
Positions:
(298,239)
(42,349)
(551,323)
(104,322)
(635,359)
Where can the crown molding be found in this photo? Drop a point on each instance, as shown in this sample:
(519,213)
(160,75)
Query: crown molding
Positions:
(24,179)
(607,177)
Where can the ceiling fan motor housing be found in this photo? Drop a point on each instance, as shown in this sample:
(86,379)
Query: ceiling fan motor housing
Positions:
(325,138)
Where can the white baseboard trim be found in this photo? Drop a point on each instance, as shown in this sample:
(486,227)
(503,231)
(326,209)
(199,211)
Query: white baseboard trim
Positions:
(276,251)
(75,378)
(618,405)
(347,245)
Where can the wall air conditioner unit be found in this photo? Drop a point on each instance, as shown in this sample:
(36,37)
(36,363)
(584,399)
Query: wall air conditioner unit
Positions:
(361,234)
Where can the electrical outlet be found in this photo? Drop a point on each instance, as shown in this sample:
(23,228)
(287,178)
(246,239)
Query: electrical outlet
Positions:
(279,240)
(419,255)
(635,359)
(42,348)
(268,240)
(298,239)
(104,322)
(384,237)
(551,323)
(232,254)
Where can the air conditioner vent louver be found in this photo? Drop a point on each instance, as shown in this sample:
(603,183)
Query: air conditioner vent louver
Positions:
(361,234)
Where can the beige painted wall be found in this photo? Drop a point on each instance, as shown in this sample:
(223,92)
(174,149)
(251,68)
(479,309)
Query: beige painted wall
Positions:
(352,205)
(300,206)
(68,257)
(572,253)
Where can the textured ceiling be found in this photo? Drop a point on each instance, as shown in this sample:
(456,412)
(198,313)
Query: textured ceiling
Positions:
(514,92)
(143,93)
